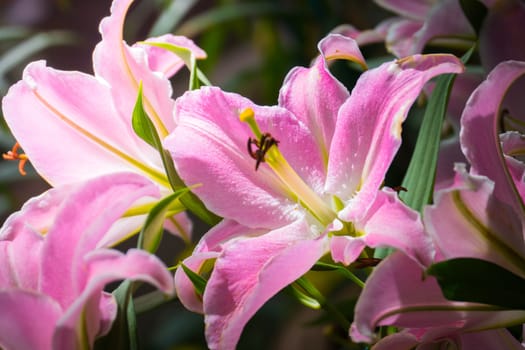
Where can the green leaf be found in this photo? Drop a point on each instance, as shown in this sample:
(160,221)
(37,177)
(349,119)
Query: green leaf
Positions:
(480,281)
(145,129)
(198,281)
(475,11)
(23,51)
(226,13)
(304,299)
(189,59)
(171,16)
(142,124)
(123,333)
(421,173)
(420,176)
(153,228)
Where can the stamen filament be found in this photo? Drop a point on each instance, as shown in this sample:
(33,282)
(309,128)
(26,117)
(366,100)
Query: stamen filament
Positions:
(14,155)
(274,158)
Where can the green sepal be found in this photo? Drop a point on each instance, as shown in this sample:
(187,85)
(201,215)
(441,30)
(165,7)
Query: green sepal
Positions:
(153,228)
(123,333)
(186,55)
(301,297)
(475,11)
(199,283)
(145,129)
(479,281)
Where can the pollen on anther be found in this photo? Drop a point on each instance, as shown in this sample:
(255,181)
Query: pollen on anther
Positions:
(246,115)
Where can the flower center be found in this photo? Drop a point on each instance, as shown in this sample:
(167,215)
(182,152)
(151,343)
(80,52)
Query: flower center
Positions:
(267,151)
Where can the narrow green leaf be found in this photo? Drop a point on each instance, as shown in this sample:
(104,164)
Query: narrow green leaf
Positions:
(480,281)
(198,281)
(419,179)
(24,50)
(475,11)
(225,13)
(304,299)
(123,333)
(151,233)
(145,129)
(171,16)
(142,124)
(189,59)
(421,173)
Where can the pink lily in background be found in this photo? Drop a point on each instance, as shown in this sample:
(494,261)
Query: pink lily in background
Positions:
(75,126)
(314,186)
(396,293)
(485,217)
(481,141)
(53,267)
(423,22)
(418,23)
(478,225)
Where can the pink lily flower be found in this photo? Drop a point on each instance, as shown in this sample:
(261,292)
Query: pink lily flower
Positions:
(313,187)
(75,126)
(424,22)
(53,268)
(418,23)
(485,217)
(397,294)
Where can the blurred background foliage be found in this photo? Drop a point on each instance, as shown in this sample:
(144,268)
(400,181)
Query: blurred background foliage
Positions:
(251,45)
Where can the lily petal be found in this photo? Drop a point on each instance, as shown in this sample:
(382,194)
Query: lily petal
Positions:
(78,135)
(374,143)
(105,266)
(396,293)
(20,332)
(416,9)
(485,340)
(490,230)
(479,134)
(314,95)
(209,247)
(503,20)
(513,144)
(164,61)
(249,272)
(445,19)
(209,148)
(123,67)
(80,225)
(407,234)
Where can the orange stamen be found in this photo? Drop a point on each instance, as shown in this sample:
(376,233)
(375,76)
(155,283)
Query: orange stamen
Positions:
(14,155)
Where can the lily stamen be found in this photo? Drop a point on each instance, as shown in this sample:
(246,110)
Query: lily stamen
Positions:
(269,153)
(14,155)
